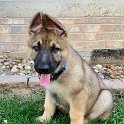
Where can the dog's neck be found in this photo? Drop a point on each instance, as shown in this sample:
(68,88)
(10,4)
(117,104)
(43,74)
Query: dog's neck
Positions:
(56,74)
(63,65)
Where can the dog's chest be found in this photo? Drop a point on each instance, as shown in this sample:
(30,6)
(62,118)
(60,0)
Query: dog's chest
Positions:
(59,94)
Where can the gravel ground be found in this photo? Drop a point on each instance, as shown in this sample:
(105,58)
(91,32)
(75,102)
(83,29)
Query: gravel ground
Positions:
(14,72)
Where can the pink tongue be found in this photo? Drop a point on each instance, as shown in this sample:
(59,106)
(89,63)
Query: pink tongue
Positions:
(44,80)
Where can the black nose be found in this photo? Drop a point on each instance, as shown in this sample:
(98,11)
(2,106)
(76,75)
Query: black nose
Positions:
(43,68)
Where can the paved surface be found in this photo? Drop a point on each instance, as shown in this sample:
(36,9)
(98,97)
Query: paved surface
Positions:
(114,84)
(19,79)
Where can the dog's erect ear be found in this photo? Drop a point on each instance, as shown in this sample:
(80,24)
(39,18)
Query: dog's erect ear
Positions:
(51,23)
(44,21)
(36,23)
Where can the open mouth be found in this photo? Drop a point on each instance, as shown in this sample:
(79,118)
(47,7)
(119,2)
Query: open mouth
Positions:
(44,80)
(46,76)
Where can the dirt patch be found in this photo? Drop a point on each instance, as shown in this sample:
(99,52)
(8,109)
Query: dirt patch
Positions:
(20,92)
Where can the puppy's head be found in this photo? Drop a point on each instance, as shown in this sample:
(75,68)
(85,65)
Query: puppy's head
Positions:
(47,43)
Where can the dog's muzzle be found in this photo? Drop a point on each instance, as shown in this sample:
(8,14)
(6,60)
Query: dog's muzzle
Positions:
(43,68)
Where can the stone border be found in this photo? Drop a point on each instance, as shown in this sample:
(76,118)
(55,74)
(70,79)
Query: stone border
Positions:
(20,81)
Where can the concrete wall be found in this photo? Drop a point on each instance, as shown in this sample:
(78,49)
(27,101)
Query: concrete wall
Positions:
(92,24)
(62,8)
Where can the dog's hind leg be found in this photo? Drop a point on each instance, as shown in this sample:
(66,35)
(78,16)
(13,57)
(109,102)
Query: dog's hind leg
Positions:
(49,108)
(103,106)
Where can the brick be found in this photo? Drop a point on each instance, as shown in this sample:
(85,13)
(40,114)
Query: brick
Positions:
(76,37)
(110,20)
(75,28)
(90,36)
(20,21)
(13,29)
(110,36)
(95,20)
(67,21)
(82,36)
(112,28)
(103,20)
(83,20)
(84,33)
(77,45)
(93,45)
(95,28)
(115,44)
(90,20)
(12,47)
(79,21)
(103,28)
(14,38)
(92,28)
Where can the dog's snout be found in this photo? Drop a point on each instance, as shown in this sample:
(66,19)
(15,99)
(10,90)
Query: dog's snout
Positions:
(44,68)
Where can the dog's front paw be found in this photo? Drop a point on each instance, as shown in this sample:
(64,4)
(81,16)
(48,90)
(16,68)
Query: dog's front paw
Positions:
(42,119)
(85,121)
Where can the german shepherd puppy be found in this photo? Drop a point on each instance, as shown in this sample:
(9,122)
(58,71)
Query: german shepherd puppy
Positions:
(69,81)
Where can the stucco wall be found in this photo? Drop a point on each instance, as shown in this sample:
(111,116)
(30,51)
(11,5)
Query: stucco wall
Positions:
(62,8)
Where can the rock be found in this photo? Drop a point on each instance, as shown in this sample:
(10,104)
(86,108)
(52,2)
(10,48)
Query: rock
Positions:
(24,61)
(28,67)
(6,63)
(14,69)
(15,63)
(96,70)
(20,66)
(31,62)
(5,56)
(99,66)
(3,66)
(2,60)
(7,67)
(1,56)
(15,66)
(10,66)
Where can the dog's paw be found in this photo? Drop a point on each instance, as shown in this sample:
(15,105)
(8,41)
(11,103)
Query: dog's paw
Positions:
(43,119)
(85,121)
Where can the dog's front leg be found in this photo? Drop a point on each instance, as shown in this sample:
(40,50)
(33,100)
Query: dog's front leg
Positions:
(77,108)
(49,108)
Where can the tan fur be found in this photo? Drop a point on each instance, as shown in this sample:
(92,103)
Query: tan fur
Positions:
(78,90)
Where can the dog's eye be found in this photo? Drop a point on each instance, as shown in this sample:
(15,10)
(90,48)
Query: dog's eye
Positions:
(36,48)
(55,50)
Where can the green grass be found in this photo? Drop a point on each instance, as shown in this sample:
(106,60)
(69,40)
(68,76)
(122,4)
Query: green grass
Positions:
(24,110)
